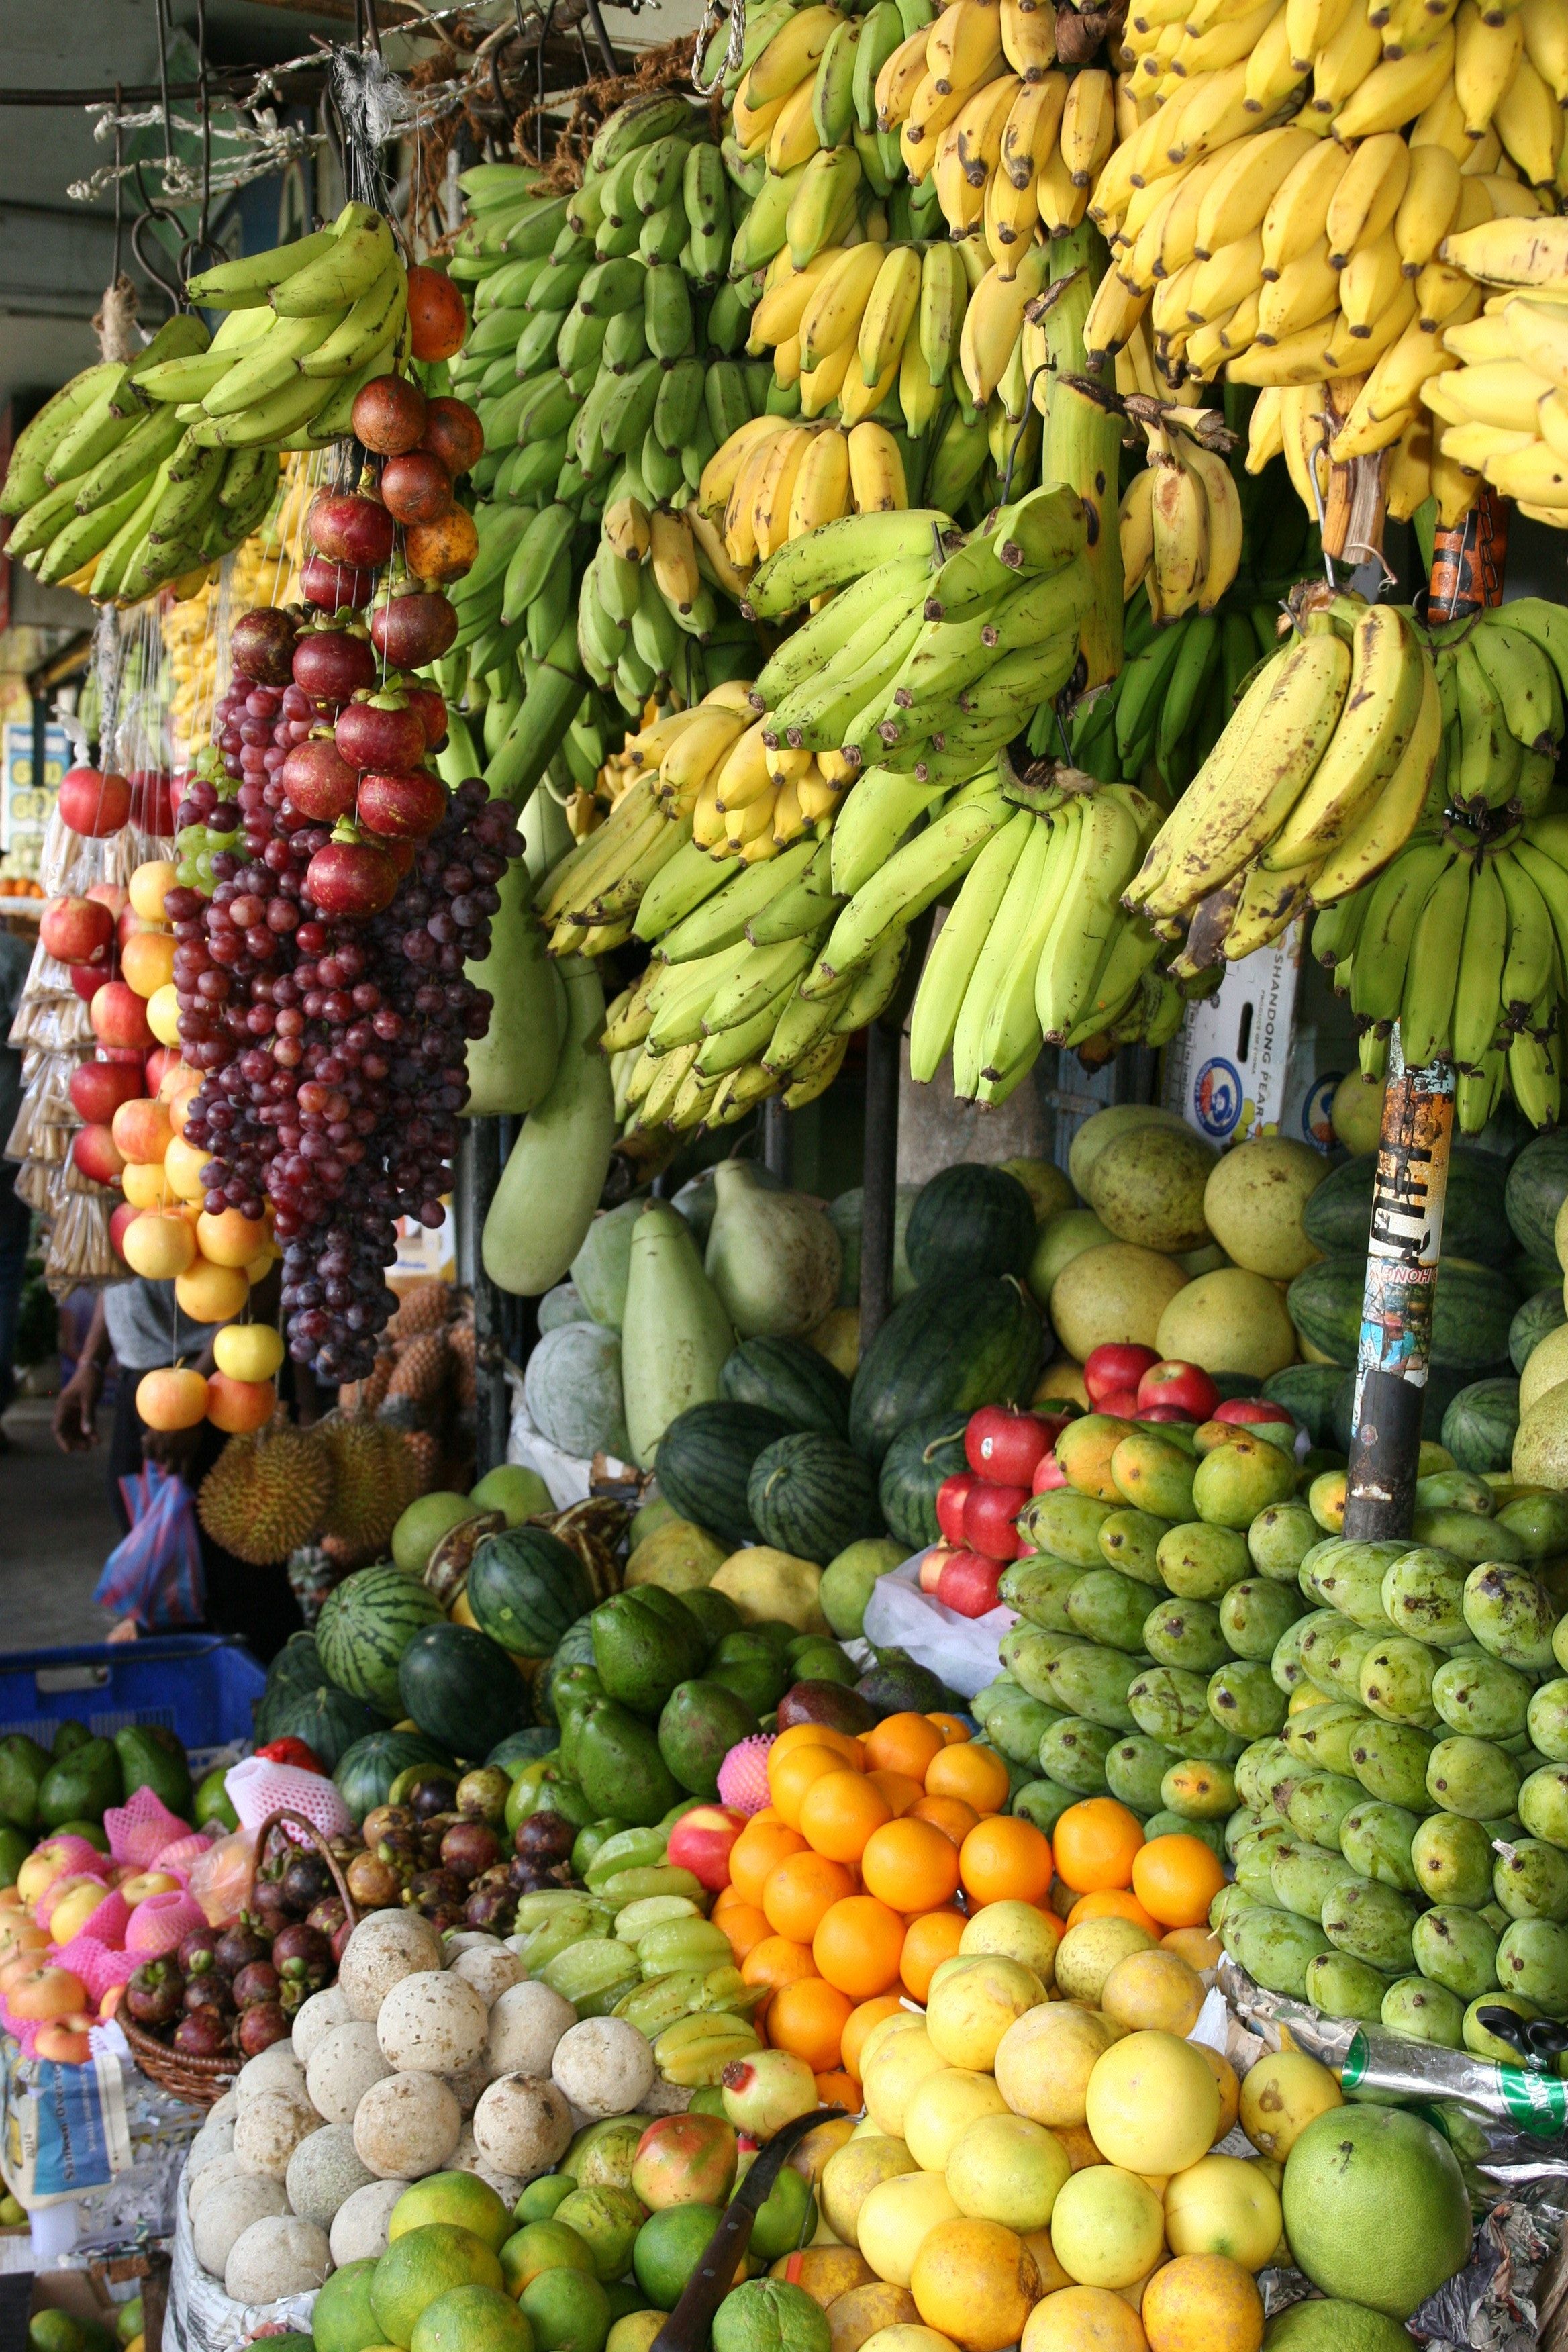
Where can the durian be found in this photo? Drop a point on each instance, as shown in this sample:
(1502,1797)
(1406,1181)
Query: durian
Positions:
(375,1479)
(268,1494)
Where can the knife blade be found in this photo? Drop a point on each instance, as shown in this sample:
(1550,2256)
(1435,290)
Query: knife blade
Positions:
(687,2327)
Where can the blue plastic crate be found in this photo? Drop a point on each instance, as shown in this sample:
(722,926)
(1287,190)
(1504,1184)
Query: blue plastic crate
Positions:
(201,1686)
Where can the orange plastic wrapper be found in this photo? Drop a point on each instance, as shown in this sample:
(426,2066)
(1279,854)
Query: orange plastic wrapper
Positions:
(221,1879)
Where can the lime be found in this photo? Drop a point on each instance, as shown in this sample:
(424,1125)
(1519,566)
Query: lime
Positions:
(422,2264)
(472,2319)
(543,2246)
(785,2220)
(568,2311)
(669,2248)
(624,2299)
(541,2198)
(212,1801)
(342,2320)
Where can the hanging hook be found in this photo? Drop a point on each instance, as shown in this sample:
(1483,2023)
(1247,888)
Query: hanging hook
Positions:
(1016,443)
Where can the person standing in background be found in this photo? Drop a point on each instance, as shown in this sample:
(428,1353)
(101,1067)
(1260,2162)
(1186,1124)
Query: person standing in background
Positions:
(15,1217)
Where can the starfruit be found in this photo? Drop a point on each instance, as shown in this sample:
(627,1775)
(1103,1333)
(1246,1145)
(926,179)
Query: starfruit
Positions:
(695,2051)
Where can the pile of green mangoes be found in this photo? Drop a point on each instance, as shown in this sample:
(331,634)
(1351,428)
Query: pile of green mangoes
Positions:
(1376,1734)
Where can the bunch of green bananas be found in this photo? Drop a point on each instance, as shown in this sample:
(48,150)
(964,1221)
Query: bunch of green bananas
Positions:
(112,494)
(1463,939)
(1036,949)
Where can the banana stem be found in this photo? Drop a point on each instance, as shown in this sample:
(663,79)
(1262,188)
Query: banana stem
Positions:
(1081,444)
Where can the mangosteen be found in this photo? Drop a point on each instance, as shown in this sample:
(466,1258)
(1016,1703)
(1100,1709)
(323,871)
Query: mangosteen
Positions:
(328,1916)
(269,1908)
(238,1946)
(209,1991)
(382,1820)
(339,1940)
(434,1793)
(257,1982)
(469,1847)
(431,1888)
(546,1838)
(302,1955)
(482,1793)
(447,1917)
(203,2034)
(155,1994)
(373,1882)
(305,1881)
(196,1951)
(260,2026)
(490,1909)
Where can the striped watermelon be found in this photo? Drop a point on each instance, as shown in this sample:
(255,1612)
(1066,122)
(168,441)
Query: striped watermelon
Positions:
(365,1626)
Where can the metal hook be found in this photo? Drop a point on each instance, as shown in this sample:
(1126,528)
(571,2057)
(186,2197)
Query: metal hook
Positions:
(1312,457)
(1374,555)
(1044,369)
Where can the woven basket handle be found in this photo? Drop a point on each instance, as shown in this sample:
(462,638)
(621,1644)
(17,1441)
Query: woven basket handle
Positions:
(314,1837)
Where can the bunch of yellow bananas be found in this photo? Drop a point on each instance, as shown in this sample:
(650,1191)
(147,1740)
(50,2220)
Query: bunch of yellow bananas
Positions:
(773,480)
(1181,523)
(1502,399)
(264,570)
(1011,145)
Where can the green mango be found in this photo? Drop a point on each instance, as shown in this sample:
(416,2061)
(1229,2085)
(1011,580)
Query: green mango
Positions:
(749,1666)
(1543,1804)
(1274,1947)
(1482,1697)
(700,1722)
(1280,1538)
(1452,1859)
(1185,1633)
(1547,1720)
(1389,1759)
(1319,1803)
(1245,1700)
(714,1612)
(821,1661)
(1511,1614)
(1342,1987)
(1013,1721)
(1135,1767)
(1530,1880)
(1372,1923)
(1288,1666)
(1454,1946)
(1540,1522)
(1260,1765)
(619,1764)
(1417,2010)
(68,1733)
(15,1845)
(1037,1587)
(1467,1535)
(1106,1607)
(1210,1833)
(1423,1596)
(1028,1653)
(1043,1802)
(1322,1737)
(1168,1703)
(1154,1475)
(1200,1563)
(1336,1659)
(1480,2041)
(1395,1680)
(1375,1840)
(1532,1960)
(1241,1478)
(1255,1613)
(1349,1577)
(1089,1681)
(213,1804)
(81,1784)
(1130,1540)
(1067,1526)
(1455,1490)
(644,1644)
(1302,1877)
(23,1765)
(152,1758)
(1471,1777)
(1074,1754)
(1255,1862)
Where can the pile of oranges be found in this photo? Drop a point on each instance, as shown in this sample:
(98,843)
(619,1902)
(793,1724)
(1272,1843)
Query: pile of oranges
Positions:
(858,1879)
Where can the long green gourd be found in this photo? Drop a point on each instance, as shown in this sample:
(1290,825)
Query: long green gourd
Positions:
(675,1334)
(551,1185)
(511,1067)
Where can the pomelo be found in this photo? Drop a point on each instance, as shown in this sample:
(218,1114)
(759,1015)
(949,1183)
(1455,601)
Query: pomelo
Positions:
(669,2245)
(567,2310)
(1253,1202)
(1147,1186)
(1375,2208)
(342,2320)
(1229,1321)
(1005,2169)
(1115,1293)
(423,2264)
(459,2196)
(1102,1127)
(521,1493)
(472,2319)
(1334,2325)
(1356,1112)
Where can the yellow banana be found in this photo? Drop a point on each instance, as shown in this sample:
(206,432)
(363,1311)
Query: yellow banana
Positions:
(778,314)
(1368,196)
(1221,283)
(1538,333)
(1305,290)
(1029,38)
(1546,43)
(1011,214)
(1369,281)
(876,470)
(1087,126)
(889,311)
(1486,56)
(1030,134)
(792,139)
(1298,212)
(822,383)
(1344,63)
(1429,207)
(1234,198)
(831,319)
(980,123)
(1529,120)
(900,77)
(718,476)
(1272,74)
(963,48)
(774,488)
(1062,201)
(674,559)
(821,491)
(791,56)
(1395,90)
(993,321)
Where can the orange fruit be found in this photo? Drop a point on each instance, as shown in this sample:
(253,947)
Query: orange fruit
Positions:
(778,1961)
(790,1779)
(902,1743)
(1203,2302)
(836,2089)
(911,1866)
(1095,1841)
(862,2018)
(1112,1903)
(858,1945)
(800,1890)
(1176,1878)
(807,2018)
(1199,1947)
(759,1848)
(1006,1859)
(929,1939)
(951,1815)
(838,1813)
(901,1794)
(745,1926)
(816,1735)
(952,1729)
(967,1769)
(725,1900)
(767,1814)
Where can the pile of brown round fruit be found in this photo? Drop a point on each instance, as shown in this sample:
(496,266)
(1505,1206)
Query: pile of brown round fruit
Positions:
(444,1852)
(233,1991)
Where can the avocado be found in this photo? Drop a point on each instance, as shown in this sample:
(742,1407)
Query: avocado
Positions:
(700,1723)
(152,1758)
(747,1663)
(645,1641)
(714,1612)
(619,1766)
(23,1764)
(70,1734)
(15,1845)
(82,1781)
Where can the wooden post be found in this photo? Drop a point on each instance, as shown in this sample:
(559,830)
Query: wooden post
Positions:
(880,1176)
(492,1417)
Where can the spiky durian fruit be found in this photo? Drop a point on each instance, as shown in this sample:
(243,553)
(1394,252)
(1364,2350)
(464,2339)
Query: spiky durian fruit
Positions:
(268,1494)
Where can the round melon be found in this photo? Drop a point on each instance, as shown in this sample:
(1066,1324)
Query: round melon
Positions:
(1253,1202)
(1356,1112)
(329,1721)
(1102,1127)
(1229,1321)
(462,1690)
(1148,1186)
(366,1771)
(1116,1292)
(1545,1367)
(677,1556)
(427,1519)
(573,1390)
(565,1304)
(1061,1239)
(1540,1441)
(1376,2208)
(1480,1424)
(1541,1312)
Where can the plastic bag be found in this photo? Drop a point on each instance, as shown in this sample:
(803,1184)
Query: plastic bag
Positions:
(155,1573)
(221,1880)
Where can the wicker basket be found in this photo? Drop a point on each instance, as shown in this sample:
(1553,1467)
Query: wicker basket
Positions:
(204,2081)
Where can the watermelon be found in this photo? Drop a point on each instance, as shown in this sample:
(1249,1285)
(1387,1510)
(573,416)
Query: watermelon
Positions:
(812,1497)
(847,1215)
(526,1588)
(1539,1315)
(968,1222)
(329,1721)
(576,1648)
(462,1690)
(787,1376)
(1537,1187)
(951,1346)
(705,1459)
(1530,1275)
(523,1748)
(296,1668)
(1479,1424)
(1471,1313)
(1308,1392)
(366,1771)
(913,1467)
(1337,1217)
(366,1624)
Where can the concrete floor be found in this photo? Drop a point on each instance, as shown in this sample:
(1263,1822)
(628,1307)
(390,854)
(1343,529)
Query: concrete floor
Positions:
(56,1532)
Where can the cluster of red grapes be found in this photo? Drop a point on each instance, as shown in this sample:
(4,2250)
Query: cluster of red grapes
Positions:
(333,1042)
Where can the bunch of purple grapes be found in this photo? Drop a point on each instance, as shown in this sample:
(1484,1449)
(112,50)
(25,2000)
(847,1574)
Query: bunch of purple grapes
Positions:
(332,1046)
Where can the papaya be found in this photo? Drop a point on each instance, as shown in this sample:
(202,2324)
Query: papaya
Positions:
(550,1187)
(511,1068)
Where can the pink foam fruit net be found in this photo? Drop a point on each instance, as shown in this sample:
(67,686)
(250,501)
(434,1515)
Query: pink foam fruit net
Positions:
(139,1830)
(743,1775)
(256,1788)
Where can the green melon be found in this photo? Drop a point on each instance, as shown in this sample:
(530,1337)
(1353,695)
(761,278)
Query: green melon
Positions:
(366,1771)
(705,1459)
(913,1468)
(526,1588)
(462,1690)
(791,1378)
(1537,1187)
(1540,1313)
(951,1346)
(329,1721)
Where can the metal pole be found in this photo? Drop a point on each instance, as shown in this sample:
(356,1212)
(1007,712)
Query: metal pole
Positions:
(490,1414)
(777,1142)
(879,1198)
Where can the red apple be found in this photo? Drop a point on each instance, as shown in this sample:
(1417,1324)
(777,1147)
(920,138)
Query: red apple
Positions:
(129,923)
(933,1563)
(97,1155)
(1115,1366)
(1048,1476)
(92,803)
(119,1016)
(1003,1446)
(951,1497)
(701,1842)
(1158,1412)
(76,930)
(1175,1382)
(142,1129)
(97,1089)
(988,1515)
(117,1220)
(87,979)
(1122,1402)
(110,895)
(1250,1408)
(968,1584)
